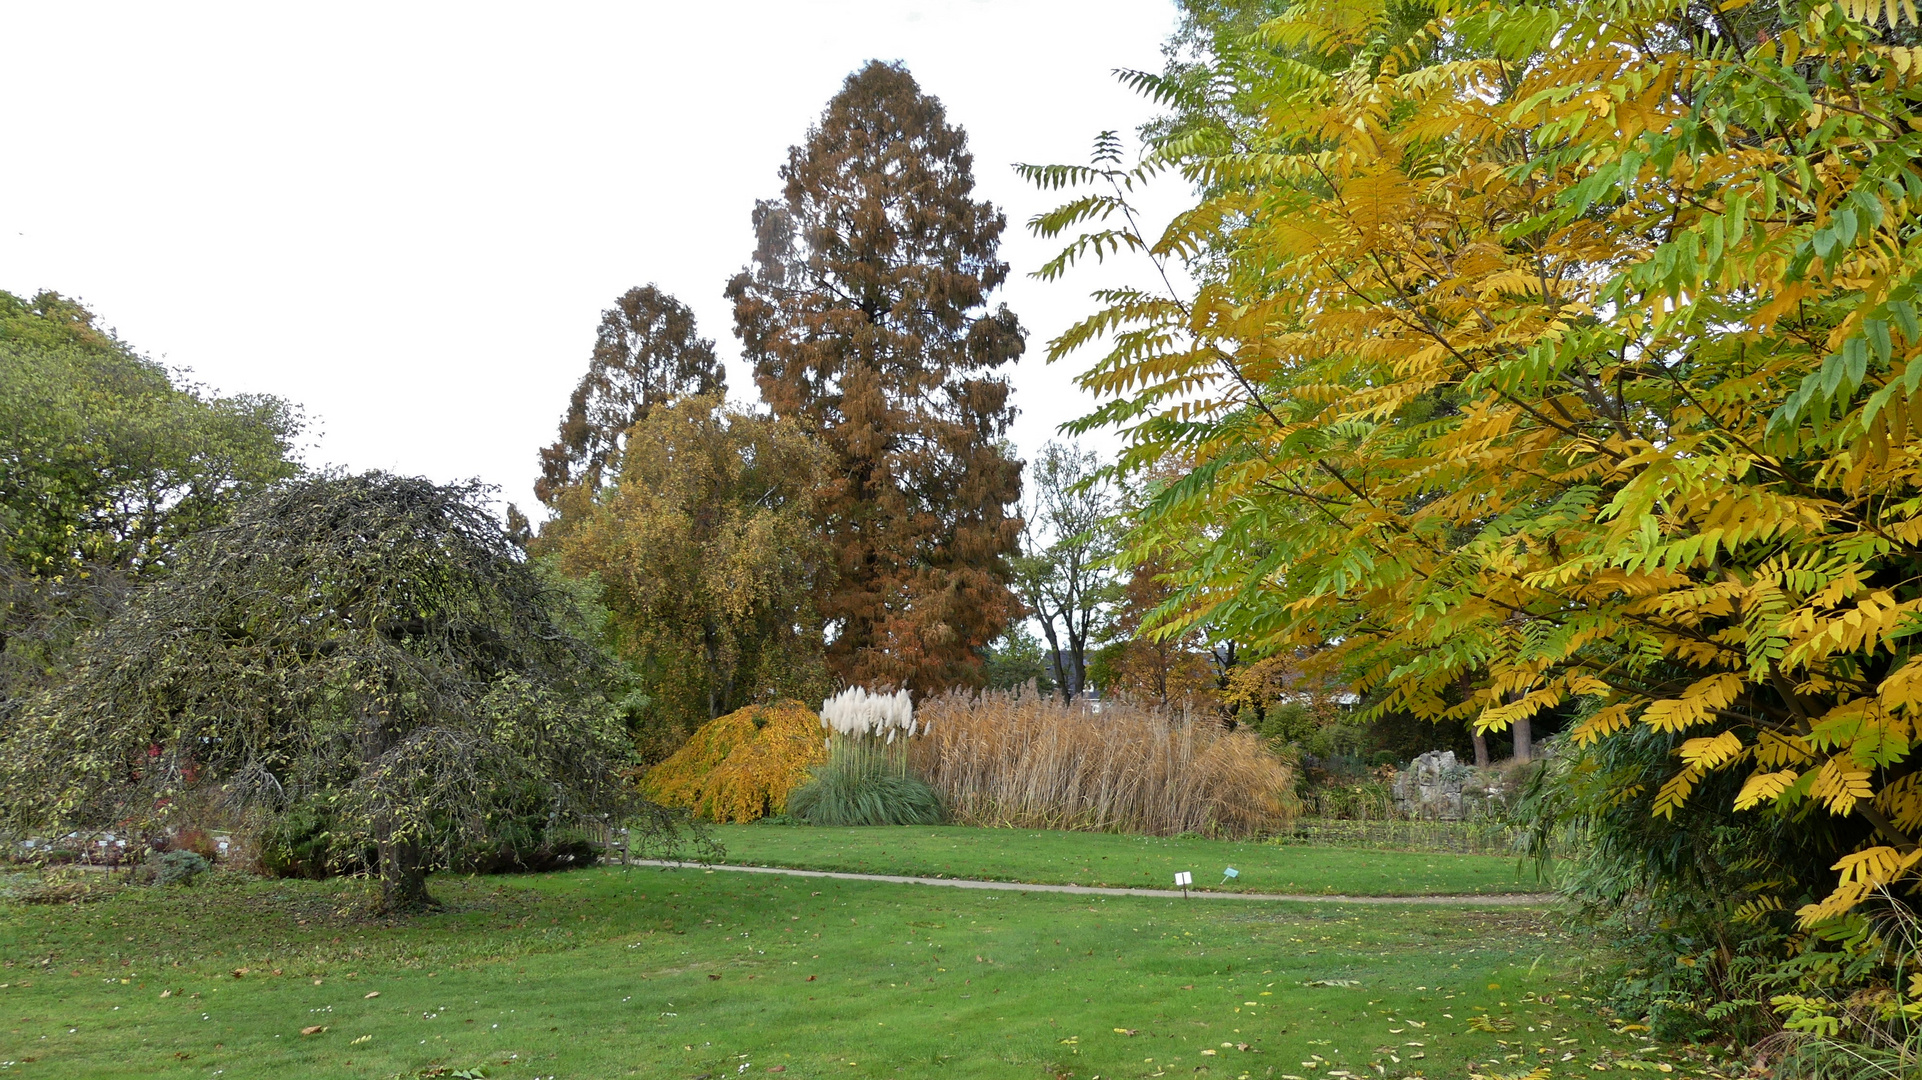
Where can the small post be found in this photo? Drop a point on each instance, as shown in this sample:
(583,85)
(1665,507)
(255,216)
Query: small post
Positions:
(1229,873)
(1184,879)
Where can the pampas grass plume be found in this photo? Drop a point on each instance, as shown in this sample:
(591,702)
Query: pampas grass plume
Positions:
(855,711)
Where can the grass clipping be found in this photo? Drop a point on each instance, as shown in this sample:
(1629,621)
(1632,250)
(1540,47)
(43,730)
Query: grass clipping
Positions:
(1025,760)
(743,766)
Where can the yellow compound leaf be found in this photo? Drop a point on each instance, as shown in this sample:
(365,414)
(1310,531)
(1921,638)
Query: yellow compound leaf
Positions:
(1765,787)
(742,766)
(1875,866)
(1606,722)
(1674,793)
(1712,753)
(1754,910)
(1772,748)
(1697,704)
(1841,785)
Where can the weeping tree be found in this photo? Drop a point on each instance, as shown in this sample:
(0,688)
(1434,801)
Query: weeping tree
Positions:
(379,640)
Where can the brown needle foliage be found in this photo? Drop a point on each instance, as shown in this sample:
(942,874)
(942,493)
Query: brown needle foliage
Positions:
(865,316)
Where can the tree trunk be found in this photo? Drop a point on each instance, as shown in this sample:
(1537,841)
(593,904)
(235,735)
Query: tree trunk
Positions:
(403,878)
(1077,660)
(1524,731)
(1466,685)
(1055,657)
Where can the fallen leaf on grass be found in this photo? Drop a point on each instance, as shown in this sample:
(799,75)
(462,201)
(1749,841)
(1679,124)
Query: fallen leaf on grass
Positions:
(166,993)
(714,976)
(371,994)
(1126,1031)
(810,978)
(778,1068)
(315,1030)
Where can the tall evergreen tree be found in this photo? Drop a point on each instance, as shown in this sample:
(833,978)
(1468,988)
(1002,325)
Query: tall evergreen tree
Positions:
(646,352)
(865,315)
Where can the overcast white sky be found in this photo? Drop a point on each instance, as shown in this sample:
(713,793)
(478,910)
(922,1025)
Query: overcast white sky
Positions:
(408,217)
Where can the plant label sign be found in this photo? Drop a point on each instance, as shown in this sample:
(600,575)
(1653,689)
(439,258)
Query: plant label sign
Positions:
(1184,879)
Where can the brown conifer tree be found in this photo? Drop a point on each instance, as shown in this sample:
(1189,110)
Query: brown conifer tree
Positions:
(865,316)
(646,352)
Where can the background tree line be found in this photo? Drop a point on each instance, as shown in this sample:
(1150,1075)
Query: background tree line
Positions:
(865,523)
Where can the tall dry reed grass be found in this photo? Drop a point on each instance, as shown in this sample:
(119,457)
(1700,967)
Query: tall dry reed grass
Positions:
(1027,760)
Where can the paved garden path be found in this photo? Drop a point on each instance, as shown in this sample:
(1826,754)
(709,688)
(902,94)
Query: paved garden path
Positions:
(1463,899)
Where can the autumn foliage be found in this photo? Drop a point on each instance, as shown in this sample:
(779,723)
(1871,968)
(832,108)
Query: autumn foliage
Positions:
(742,766)
(865,314)
(705,550)
(1570,351)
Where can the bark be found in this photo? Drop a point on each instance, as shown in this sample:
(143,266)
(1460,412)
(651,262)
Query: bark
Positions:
(1524,731)
(1481,748)
(1056,658)
(403,877)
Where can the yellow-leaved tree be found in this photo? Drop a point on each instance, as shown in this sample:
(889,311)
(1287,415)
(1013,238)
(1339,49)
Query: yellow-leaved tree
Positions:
(1569,351)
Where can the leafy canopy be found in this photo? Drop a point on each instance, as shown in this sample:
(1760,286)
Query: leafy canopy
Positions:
(1572,350)
(373,639)
(107,462)
(647,352)
(709,563)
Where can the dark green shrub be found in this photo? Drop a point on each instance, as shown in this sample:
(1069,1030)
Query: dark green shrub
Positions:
(180,868)
(844,794)
(520,836)
(524,835)
(302,843)
(1289,723)
(1701,909)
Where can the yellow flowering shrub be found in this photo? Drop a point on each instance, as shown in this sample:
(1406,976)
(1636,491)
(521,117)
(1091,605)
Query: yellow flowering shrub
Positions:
(741,767)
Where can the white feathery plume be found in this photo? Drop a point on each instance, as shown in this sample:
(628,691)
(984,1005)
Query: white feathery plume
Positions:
(855,711)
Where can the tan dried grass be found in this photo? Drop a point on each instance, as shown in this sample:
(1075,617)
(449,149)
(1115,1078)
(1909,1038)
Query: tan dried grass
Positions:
(1025,760)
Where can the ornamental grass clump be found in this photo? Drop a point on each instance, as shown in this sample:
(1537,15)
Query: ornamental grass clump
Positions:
(867,778)
(742,766)
(1027,760)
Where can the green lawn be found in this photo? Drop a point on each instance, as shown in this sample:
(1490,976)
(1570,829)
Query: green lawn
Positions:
(690,973)
(1081,858)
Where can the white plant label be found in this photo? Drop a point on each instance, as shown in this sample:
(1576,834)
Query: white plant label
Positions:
(1184,879)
